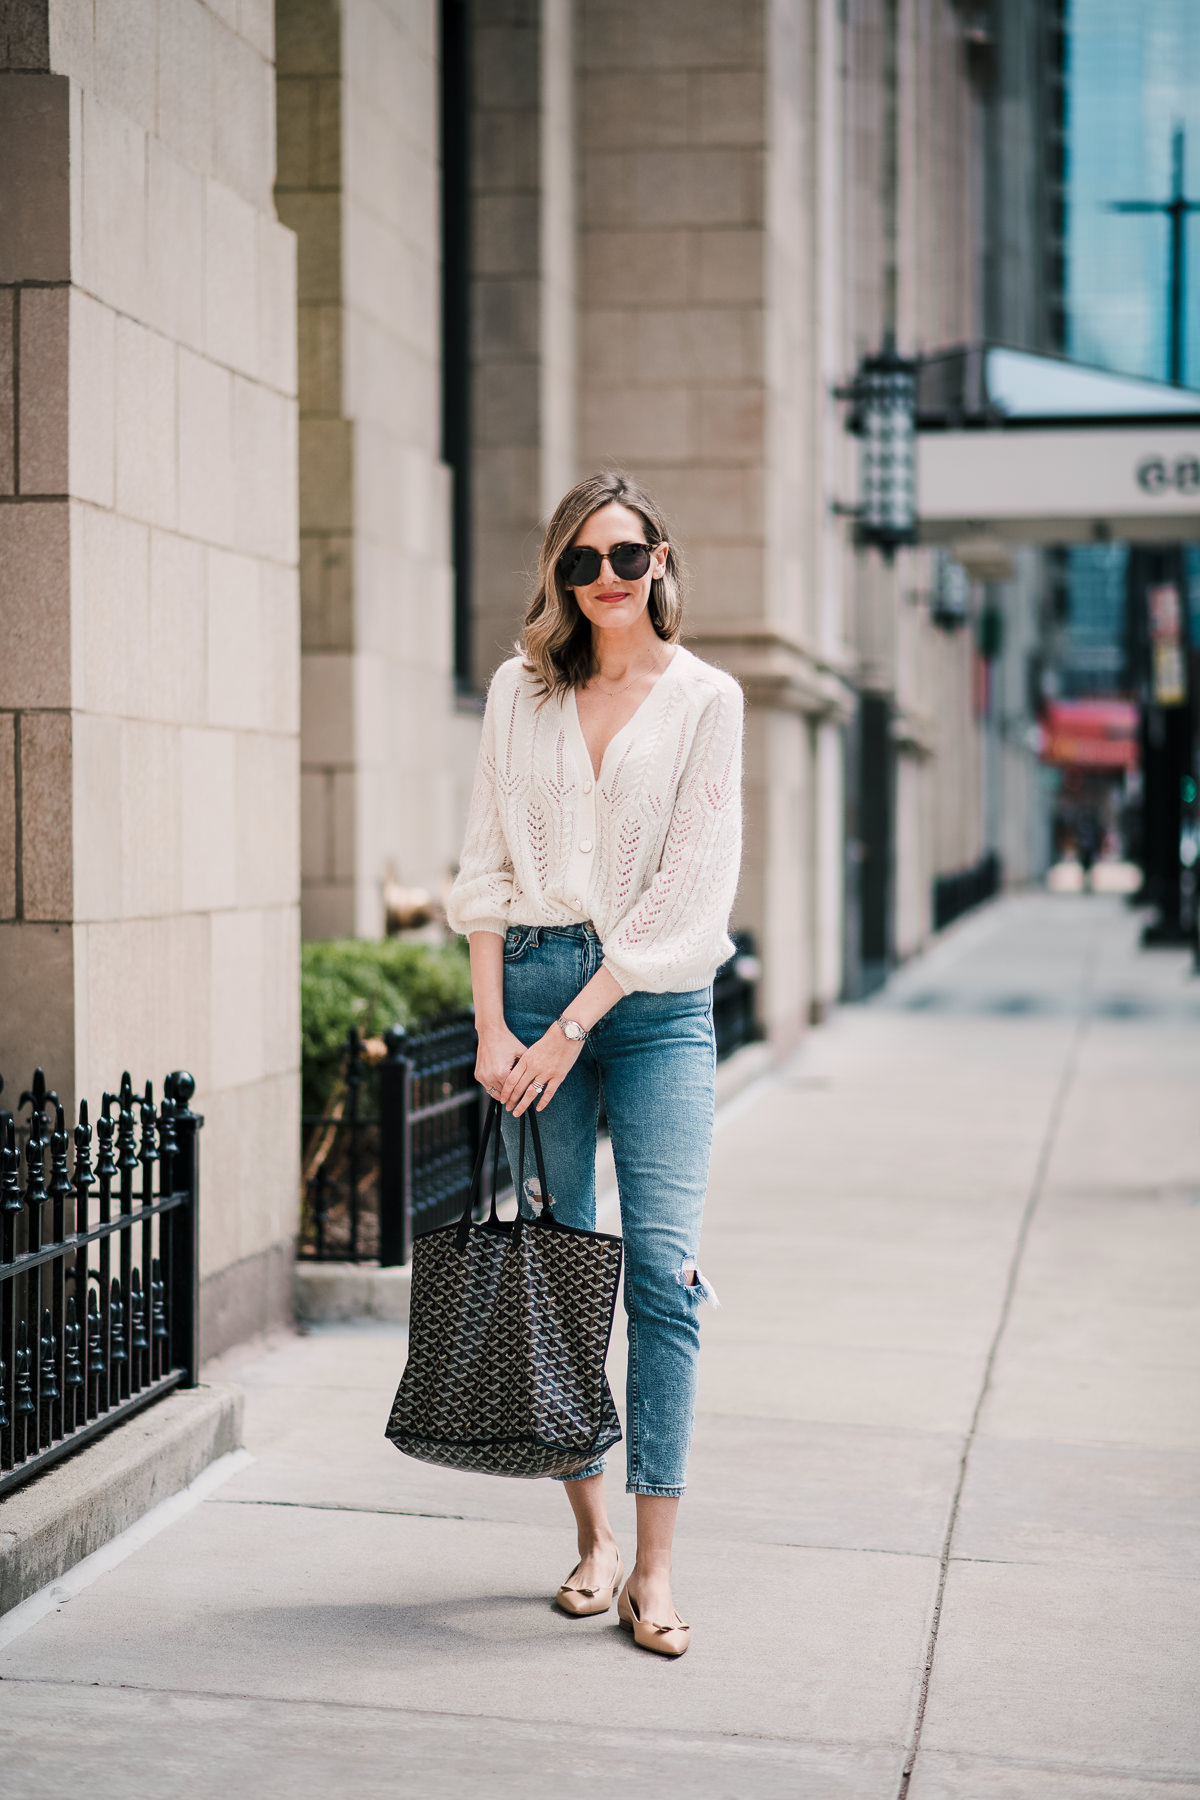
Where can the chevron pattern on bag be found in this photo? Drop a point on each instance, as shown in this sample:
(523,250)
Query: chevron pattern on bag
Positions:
(507,1343)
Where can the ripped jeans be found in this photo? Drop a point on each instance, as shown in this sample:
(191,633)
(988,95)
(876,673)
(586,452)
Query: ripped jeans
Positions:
(654,1057)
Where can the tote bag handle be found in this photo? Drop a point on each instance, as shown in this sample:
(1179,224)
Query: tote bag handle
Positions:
(492,1123)
(547,1215)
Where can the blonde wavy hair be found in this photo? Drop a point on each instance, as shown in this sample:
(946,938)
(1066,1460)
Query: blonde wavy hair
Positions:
(557,644)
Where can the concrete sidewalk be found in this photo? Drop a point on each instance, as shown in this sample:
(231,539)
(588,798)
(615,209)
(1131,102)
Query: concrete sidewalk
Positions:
(944,1491)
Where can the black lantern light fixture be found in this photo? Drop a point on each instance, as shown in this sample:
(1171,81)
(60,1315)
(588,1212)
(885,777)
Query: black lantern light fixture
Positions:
(884,415)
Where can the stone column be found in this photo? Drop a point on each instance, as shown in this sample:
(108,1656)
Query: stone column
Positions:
(358,182)
(704,346)
(912,256)
(148,631)
(939,733)
(522,302)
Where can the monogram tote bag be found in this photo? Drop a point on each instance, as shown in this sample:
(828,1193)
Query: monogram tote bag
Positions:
(509,1324)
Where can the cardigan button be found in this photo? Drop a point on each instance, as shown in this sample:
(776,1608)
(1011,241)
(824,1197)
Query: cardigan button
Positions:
(587,787)
(585,845)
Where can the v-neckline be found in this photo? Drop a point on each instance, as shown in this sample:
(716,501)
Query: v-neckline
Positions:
(597,774)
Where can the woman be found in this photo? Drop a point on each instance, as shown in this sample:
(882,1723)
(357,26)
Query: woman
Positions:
(600,864)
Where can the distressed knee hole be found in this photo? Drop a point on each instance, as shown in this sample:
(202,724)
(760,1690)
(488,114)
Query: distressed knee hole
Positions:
(691,1276)
(533,1193)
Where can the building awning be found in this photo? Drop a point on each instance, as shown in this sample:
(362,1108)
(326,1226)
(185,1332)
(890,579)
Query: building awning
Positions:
(988,385)
(1040,450)
(1090,734)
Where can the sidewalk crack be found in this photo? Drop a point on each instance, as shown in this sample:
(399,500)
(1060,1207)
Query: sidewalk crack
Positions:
(1066,1081)
(375,1512)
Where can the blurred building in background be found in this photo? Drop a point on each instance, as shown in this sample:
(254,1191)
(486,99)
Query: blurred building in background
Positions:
(1024,48)
(308,315)
(1131,184)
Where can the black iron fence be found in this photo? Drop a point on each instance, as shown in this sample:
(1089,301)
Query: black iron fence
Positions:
(390,1157)
(956,894)
(735,1018)
(98,1266)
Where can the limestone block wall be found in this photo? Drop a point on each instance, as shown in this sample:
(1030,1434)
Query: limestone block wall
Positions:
(693,340)
(391,253)
(522,303)
(1016,796)
(308,194)
(148,634)
(944,224)
(673,271)
(826,868)
(810,467)
(506,194)
(958,819)
(937,301)
(557,266)
(358,181)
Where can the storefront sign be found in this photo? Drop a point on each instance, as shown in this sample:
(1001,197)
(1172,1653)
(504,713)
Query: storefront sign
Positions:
(1165,618)
(1048,485)
(1158,474)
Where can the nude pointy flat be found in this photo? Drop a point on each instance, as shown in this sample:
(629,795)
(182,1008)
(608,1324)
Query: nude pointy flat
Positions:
(584,1603)
(664,1640)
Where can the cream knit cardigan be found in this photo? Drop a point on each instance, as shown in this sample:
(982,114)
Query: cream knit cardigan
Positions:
(648,852)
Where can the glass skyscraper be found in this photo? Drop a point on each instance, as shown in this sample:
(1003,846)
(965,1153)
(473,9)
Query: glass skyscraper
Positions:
(1132,80)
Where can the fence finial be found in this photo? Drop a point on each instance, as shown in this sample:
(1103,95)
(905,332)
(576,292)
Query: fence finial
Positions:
(60,1177)
(179,1087)
(37,1095)
(10,1169)
(84,1179)
(35,1161)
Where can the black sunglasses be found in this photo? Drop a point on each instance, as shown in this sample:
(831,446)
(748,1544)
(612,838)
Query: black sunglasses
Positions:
(581,565)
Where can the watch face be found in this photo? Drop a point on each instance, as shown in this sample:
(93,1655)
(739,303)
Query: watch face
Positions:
(573,1030)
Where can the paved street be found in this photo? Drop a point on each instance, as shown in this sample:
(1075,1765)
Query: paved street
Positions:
(945,1483)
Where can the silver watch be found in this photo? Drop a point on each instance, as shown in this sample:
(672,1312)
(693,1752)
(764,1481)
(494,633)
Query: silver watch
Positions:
(571,1028)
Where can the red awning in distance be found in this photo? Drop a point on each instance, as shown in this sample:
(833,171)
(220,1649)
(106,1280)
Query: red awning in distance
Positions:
(1090,734)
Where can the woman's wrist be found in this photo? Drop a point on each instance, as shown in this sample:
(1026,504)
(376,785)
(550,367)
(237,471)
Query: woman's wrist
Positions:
(595,999)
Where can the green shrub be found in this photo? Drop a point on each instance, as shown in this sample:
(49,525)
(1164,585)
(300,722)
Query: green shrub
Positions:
(358,981)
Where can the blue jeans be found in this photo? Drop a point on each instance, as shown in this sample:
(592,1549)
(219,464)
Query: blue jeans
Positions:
(654,1056)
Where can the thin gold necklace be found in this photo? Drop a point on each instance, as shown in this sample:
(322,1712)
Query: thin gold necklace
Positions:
(611,693)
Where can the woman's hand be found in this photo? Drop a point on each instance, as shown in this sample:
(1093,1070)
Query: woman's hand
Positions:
(539,1072)
(498,1051)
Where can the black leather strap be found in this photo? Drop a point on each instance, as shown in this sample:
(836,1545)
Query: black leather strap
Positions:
(535,1128)
(546,1215)
(491,1121)
(497,1146)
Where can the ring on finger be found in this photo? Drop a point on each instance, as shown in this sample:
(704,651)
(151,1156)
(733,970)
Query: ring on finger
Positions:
(540,1090)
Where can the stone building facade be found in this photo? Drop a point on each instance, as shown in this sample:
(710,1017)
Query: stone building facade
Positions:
(358,183)
(149,632)
(246,622)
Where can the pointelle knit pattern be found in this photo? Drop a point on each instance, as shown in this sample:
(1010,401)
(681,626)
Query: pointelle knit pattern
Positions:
(648,852)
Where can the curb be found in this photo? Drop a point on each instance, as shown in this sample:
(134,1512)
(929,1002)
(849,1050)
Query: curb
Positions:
(333,1293)
(81,1504)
